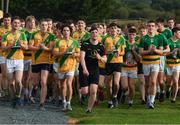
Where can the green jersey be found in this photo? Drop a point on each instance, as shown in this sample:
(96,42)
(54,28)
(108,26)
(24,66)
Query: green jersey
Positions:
(173,60)
(129,62)
(167,33)
(145,43)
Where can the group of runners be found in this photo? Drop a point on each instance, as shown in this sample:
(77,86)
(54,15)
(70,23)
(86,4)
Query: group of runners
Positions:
(60,58)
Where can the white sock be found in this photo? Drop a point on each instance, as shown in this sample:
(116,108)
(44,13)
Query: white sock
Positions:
(115,96)
(68,102)
(130,101)
(110,102)
(152,97)
(64,101)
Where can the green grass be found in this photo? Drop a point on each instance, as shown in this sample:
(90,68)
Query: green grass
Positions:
(164,113)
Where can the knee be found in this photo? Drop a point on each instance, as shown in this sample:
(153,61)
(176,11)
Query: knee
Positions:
(84,90)
(93,93)
(43,84)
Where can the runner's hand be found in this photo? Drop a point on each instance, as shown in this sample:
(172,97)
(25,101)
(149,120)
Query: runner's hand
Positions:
(98,56)
(42,46)
(85,72)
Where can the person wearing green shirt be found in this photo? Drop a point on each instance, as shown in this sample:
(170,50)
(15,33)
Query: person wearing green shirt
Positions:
(151,48)
(129,66)
(173,62)
(164,33)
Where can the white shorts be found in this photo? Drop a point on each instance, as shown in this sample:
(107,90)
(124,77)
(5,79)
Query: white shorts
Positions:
(171,70)
(162,64)
(130,74)
(55,67)
(14,65)
(65,75)
(27,65)
(2,60)
(76,73)
(147,69)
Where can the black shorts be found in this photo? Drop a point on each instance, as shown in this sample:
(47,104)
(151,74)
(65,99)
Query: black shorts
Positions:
(113,67)
(140,68)
(51,68)
(37,68)
(102,71)
(85,81)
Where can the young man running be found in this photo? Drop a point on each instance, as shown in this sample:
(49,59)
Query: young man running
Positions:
(41,44)
(173,62)
(66,50)
(151,47)
(91,52)
(114,48)
(14,42)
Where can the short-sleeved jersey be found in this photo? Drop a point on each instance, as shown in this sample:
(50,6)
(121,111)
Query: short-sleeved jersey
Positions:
(3,30)
(164,40)
(167,33)
(173,60)
(37,39)
(81,36)
(28,53)
(92,63)
(145,43)
(10,39)
(110,43)
(129,62)
(62,46)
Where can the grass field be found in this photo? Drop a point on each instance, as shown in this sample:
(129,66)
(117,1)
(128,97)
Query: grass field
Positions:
(164,113)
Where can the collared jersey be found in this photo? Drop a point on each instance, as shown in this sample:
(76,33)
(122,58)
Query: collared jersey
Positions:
(28,53)
(145,43)
(36,40)
(129,62)
(3,30)
(10,39)
(110,43)
(62,46)
(173,60)
(81,36)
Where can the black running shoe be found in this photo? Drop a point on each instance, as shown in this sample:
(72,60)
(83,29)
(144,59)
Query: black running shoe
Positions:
(143,102)
(115,101)
(110,105)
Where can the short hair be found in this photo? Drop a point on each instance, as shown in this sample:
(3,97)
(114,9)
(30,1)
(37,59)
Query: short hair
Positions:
(16,18)
(132,30)
(66,25)
(81,20)
(7,15)
(93,28)
(59,25)
(160,20)
(130,25)
(112,25)
(30,18)
(43,20)
(170,18)
(142,27)
(49,19)
(175,29)
(151,21)
(22,20)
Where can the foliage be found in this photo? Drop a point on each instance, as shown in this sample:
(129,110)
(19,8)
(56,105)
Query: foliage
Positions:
(96,9)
